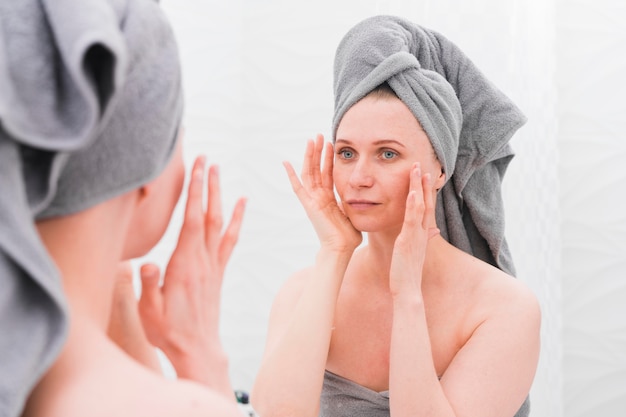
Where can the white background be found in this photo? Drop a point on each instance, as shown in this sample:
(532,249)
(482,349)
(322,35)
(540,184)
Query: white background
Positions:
(258,82)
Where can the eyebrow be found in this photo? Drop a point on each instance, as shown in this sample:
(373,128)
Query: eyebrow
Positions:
(377,143)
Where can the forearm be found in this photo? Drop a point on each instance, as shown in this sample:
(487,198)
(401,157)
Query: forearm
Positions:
(290,379)
(413,383)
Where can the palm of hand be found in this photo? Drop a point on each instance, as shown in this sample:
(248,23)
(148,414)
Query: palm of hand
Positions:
(316,195)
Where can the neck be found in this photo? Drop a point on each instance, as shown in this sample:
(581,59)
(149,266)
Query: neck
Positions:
(86,248)
(376,258)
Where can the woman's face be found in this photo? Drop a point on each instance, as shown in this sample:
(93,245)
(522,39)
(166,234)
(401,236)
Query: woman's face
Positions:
(159,198)
(377,142)
(168,186)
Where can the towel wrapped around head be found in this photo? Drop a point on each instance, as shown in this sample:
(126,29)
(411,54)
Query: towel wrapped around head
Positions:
(467,119)
(90,106)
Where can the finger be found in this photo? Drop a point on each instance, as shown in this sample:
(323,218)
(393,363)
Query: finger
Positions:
(124,272)
(231,234)
(327,172)
(213,219)
(416,185)
(193,221)
(408,225)
(315,166)
(296,185)
(414,211)
(429,202)
(411,211)
(306,164)
(151,301)
(415,178)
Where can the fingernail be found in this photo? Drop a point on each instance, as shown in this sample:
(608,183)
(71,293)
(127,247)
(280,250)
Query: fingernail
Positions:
(199,168)
(148,271)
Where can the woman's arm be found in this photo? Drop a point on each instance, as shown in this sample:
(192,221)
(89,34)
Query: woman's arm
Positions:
(414,388)
(289,382)
(491,375)
(493,372)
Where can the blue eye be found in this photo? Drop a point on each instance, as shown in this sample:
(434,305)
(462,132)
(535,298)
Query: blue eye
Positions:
(346,153)
(389,154)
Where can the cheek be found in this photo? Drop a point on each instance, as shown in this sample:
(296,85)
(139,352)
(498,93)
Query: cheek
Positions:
(400,190)
(397,186)
(180,182)
(172,190)
(398,179)
(339,179)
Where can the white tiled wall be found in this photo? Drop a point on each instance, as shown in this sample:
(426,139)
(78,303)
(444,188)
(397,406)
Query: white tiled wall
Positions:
(591,44)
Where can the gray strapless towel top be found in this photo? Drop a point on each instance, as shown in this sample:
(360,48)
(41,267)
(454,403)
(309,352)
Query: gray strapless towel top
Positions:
(344,398)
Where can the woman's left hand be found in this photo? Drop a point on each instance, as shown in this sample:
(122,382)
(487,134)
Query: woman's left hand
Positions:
(409,251)
(181,317)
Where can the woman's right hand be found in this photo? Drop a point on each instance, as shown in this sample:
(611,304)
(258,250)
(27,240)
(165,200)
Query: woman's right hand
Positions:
(291,375)
(315,192)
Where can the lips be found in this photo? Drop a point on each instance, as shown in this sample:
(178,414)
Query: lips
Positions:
(361,204)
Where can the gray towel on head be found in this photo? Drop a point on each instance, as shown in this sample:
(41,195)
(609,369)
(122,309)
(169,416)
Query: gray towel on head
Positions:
(467,119)
(90,105)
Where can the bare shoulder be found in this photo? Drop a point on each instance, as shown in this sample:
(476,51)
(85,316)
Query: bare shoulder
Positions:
(291,290)
(506,295)
(114,384)
(497,301)
(284,304)
(501,321)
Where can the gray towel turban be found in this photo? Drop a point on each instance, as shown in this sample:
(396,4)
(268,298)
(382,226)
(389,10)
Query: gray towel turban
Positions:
(467,119)
(90,105)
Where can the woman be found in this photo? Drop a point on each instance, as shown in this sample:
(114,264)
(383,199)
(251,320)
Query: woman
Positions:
(92,374)
(91,169)
(407,324)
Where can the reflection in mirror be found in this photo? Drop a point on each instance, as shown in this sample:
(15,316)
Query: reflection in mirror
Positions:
(259,85)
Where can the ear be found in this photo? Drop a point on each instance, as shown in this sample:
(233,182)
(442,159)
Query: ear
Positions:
(440,180)
(144,192)
(139,196)
(135,243)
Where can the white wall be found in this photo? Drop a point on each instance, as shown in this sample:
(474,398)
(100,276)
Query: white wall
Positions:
(258,80)
(591,66)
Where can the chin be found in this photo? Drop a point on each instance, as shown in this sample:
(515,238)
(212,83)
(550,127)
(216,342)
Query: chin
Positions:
(374,224)
(140,244)
(138,251)
(368,226)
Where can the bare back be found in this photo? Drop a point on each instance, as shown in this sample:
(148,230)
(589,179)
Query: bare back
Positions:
(94,377)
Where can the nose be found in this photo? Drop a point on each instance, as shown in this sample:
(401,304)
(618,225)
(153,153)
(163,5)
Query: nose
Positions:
(361,175)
